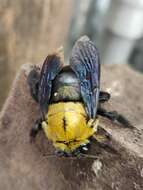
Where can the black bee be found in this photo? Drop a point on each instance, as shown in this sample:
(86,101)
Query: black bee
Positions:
(70,99)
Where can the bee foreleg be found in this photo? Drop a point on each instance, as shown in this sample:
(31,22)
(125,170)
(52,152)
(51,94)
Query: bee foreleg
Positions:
(104,96)
(36,128)
(114,116)
(104,140)
(101,135)
(33,82)
(93,123)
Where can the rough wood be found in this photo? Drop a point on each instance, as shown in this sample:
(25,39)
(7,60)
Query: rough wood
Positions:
(24,166)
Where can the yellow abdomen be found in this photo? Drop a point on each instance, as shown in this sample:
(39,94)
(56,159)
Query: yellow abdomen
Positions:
(67,126)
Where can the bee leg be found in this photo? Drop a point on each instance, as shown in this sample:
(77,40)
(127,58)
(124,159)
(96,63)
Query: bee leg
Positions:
(104,140)
(36,128)
(104,96)
(101,135)
(33,82)
(93,123)
(114,116)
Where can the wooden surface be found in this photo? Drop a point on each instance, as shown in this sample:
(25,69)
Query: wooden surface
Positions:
(23,165)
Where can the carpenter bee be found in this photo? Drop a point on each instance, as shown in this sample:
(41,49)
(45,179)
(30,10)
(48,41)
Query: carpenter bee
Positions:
(70,99)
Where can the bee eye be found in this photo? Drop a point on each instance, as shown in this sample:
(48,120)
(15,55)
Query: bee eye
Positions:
(84,149)
(55,94)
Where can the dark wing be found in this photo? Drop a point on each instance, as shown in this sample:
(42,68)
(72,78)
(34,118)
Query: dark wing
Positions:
(85,63)
(51,67)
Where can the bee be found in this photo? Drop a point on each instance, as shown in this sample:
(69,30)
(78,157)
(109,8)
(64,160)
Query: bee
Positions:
(70,99)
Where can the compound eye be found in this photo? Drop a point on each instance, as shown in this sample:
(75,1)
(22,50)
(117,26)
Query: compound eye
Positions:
(84,149)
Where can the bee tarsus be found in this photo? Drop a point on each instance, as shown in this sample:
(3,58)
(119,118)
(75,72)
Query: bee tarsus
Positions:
(35,129)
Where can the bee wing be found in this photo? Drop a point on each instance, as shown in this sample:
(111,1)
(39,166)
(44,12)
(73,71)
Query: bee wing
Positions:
(51,67)
(84,61)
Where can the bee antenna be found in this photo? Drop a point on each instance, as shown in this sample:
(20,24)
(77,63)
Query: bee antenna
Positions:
(89,156)
(49,155)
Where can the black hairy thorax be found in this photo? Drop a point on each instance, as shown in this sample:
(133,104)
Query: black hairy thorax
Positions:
(66,86)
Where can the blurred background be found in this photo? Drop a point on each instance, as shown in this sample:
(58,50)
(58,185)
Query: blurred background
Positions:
(29,30)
